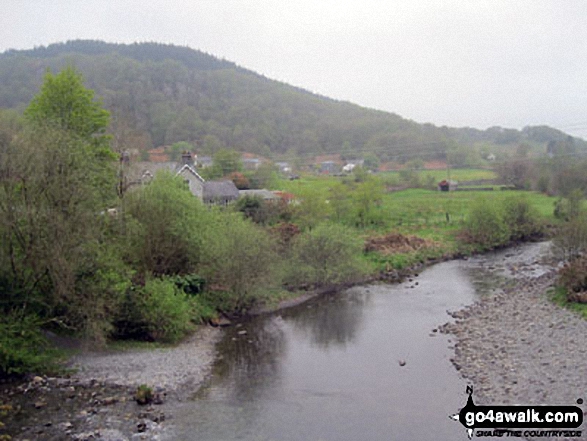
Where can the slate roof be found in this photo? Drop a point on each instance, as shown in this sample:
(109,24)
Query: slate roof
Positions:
(219,191)
(191,170)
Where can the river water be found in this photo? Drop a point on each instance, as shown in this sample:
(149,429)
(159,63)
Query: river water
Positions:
(363,364)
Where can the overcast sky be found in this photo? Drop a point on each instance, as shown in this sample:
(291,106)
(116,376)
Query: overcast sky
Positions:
(476,63)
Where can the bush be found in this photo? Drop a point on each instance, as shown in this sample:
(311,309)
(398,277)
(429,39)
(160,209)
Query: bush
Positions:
(241,261)
(573,277)
(100,287)
(571,240)
(256,209)
(329,253)
(158,311)
(485,225)
(23,348)
(166,227)
(521,218)
(570,207)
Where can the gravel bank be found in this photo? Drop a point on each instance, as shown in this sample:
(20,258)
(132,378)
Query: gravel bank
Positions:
(97,402)
(516,347)
(177,369)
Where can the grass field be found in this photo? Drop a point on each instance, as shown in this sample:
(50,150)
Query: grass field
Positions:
(425,207)
(457,174)
(322,183)
(429,207)
(421,212)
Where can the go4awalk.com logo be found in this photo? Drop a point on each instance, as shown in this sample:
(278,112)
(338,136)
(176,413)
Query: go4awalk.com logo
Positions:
(520,421)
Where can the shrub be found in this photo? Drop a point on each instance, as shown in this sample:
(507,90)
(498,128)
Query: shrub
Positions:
(144,395)
(157,311)
(329,253)
(570,207)
(485,225)
(166,227)
(521,218)
(285,232)
(573,277)
(191,284)
(571,240)
(255,208)
(23,348)
(241,260)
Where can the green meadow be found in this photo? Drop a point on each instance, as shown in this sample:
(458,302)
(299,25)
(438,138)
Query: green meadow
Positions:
(428,214)
(456,174)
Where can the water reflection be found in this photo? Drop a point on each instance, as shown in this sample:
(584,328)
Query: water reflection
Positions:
(251,359)
(334,320)
(330,369)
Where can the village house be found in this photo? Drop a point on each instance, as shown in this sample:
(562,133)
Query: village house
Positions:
(251,163)
(329,167)
(350,165)
(283,167)
(220,192)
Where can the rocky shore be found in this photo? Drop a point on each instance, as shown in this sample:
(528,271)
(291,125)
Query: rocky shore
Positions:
(516,347)
(97,401)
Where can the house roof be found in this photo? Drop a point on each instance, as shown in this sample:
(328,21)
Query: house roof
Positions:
(214,190)
(186,168)
(158,155)
(138,170)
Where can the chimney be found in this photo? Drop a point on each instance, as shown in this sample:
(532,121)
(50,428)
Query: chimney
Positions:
(186,158)
(125,157)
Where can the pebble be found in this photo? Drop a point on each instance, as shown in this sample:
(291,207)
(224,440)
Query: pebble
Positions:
(517,337)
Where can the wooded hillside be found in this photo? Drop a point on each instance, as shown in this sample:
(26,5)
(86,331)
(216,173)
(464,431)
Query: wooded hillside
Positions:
(161,94)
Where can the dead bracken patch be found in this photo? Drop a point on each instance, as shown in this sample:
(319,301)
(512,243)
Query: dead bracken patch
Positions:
(394,243)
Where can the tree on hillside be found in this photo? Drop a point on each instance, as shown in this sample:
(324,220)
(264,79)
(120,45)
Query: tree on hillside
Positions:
(64,103)
(178,148)
(225,162)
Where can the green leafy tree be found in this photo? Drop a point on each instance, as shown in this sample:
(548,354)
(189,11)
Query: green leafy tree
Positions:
(371,161)
(330,253)
(64,103)
(166,227)
(312,209)
(367,200)
(56,177)
(341,202)
(178,148)
(225,162)
(485,225)
(240,260)
(264,177)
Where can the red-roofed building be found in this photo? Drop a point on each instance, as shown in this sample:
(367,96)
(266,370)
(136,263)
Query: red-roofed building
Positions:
(158,155)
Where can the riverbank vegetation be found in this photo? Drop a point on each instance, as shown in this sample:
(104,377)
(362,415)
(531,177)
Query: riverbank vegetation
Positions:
(82,255)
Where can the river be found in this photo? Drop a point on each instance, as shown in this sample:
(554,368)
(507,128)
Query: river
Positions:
(363,364)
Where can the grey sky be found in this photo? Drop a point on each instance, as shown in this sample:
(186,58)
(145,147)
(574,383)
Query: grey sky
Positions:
(471,63)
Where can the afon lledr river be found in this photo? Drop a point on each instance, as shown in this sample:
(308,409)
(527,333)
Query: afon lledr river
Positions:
(331,369)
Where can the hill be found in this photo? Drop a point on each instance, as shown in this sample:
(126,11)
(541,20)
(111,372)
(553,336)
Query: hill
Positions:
(161,94)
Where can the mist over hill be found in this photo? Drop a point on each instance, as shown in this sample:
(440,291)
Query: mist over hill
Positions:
(160,94)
